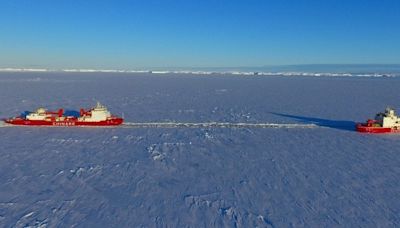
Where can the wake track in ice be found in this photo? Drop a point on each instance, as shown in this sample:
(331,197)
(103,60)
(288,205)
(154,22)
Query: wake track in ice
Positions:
(198,125)
(3,124)
(215,125)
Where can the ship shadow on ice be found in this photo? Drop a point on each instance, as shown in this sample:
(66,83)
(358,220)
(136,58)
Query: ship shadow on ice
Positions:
(335,124)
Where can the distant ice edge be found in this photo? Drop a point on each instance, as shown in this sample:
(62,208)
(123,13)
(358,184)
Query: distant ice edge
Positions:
(244,73)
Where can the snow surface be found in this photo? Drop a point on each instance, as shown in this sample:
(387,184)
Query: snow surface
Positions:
(199,175)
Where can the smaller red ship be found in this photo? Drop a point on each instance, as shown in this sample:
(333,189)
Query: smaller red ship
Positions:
(97,116)
(384,122)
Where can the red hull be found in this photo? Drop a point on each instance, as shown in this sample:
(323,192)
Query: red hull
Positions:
(375,130)
(65,123)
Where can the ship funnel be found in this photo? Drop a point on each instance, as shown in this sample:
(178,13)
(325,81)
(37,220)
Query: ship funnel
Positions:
(60,112)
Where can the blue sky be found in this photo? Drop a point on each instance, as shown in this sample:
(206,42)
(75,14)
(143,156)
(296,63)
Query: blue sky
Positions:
(202,33)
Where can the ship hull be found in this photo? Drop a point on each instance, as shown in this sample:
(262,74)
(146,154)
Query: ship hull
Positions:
(65,123)
(375,130)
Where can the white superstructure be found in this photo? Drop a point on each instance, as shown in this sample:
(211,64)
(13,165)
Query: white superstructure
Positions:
(40,114)
(388,118)
(98,113)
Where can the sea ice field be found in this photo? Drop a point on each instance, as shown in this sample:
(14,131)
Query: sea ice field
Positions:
(295,160)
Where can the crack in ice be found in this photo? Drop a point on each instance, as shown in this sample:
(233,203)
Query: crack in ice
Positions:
(215,125)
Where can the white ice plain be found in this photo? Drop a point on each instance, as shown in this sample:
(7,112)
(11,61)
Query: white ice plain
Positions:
(204,176)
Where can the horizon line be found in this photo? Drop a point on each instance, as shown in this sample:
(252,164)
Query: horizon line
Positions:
(393,73)
(178,68)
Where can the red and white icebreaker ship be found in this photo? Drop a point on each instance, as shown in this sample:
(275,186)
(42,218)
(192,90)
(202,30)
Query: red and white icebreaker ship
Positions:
(97,116)
(384,122)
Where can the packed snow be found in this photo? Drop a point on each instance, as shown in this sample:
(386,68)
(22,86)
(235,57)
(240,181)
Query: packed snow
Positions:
(209,151)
